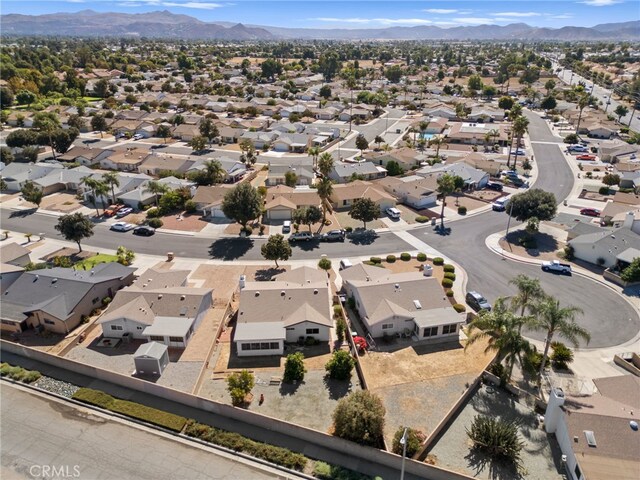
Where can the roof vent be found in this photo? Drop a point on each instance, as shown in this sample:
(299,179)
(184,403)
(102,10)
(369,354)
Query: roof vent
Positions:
(283,293)
(182,297)
(315,291)
(93,272)
(417,304)
(257,294)
(55,280)
(397,285)
(36,279)
(159,296)
(144,285)
(591,438)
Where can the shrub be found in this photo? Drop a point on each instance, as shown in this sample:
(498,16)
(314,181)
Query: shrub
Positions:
(294,368)
(360,418)
(19,374)
(449,293)
(414,441)
(462,210)
(238,443)
(438,261)
(531,363)
(324,264)
(447,283)
(153,212)
(190,206)
(603,191)
(496,438)
(348,229)
(155,223)
(458,307)
(562,355)
(261,229)
(405,257)
(391,258)
(324,471)
(247,231)
(449,268)
(341,328)
(422,219)
(569,253)
(375,260)
(106,301)
(450,276)
(421,257)
(131,409)
(337,311)
(498,370)
(239,384)
(600,261)
(340,365)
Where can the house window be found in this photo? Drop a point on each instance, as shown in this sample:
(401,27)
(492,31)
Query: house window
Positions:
(387,326)
(245,346)
(291,328)
(156,338)
(255,346)
(430,331)
(313,331)
(49,322)
(175,339)
(116,327)
(577,471)
(264,346)
(274,346)
(345,203)
(453,328)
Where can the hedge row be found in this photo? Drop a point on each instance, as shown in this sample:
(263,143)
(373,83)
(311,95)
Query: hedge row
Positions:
(325,471)
(19,374)
(422,219)
(238,443)
(450,276)
(449,268)
(131,409)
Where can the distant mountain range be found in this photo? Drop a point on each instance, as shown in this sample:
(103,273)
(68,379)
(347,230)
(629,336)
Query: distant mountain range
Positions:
(164,24)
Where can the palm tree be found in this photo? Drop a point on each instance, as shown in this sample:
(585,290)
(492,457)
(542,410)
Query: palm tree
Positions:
(583,101)
(325,189)
(215,172)
(437,141)
(111,179)
(500,327)
(552,319)
(514,114)
(529,291)
(156,189)
(520,127)
(314,152)
(325,164)
(98,189)
(446,186)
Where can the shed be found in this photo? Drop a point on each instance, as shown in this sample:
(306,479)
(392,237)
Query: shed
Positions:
(151,358)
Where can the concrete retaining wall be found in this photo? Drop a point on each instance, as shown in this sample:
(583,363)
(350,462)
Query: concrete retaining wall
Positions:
(306,435)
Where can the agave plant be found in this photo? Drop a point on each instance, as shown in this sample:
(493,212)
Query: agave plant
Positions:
(497,438)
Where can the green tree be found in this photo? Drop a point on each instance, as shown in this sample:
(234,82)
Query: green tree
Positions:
(163,131)
(294,368)
(360,418)
(329,64)
(198,143)
(208,129)
(361,143)
(552,319)
(307,215)
(365,210)
(271,68)
(6,156)
(276,248)
(101,88)
(111,179)
(99,123)
(25,97)
(75,227)
(447,184)
(532,203)
(242,204)
(497,438)
(290,178)
(548,103)
(621,111)
(239,385)
(583,101)
(415,439)
(632,272)
(6,97)
(549,85)
(47,123)
(394,169)
(474,84)
(325,91)
(505,103)
(125,256)
(31,193)
(393,73)
(98,189)
(611,179)
(324,264)
(340,365)
(325,164)
(325,190)
(214,171)
(518,129)
(529,292)
(313,153)
(156,189)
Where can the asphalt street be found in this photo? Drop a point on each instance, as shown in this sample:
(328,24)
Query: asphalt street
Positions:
(81,444)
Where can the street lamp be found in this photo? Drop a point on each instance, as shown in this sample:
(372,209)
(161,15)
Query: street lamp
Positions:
(403,442)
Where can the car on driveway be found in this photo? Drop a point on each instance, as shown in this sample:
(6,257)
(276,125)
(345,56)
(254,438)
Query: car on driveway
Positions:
(393,212)
(122,227)
(301,237)
(111,210)
(590,212)
(495,186)
(333,236)
(138,136)
(144,231)
(477,301)
(518,151)
(586,156)
(123,212)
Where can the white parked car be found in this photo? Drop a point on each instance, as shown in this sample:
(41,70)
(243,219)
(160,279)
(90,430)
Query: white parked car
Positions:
(122,227)
(138,136)
(393,212)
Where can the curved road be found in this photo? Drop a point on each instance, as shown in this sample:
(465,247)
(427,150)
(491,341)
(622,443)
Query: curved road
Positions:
(610,320)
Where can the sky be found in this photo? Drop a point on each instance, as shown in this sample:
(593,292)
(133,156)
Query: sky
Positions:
(359,13)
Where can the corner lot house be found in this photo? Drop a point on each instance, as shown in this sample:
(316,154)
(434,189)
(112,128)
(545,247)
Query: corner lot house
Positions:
(295,306)
(14,254)
(609,246)
(407,304)
(56,299)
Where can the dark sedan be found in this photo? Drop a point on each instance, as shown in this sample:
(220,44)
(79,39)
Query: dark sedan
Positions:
(144,231)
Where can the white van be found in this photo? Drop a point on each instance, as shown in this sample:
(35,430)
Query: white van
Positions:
(578,148)
(393,212)
(286,226)
(499,204)
(345,263)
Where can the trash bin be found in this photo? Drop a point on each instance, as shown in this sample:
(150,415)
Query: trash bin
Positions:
(169,256)
(433,221)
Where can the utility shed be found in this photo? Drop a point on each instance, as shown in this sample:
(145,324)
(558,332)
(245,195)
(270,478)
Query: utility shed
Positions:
(151,358)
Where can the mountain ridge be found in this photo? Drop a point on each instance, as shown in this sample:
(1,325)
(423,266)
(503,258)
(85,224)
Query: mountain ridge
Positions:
(165,24)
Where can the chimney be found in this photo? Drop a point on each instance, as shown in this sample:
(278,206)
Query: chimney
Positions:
(554,412)
(628,220)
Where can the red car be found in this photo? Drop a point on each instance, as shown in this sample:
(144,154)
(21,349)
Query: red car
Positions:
(586,157)
(590,212)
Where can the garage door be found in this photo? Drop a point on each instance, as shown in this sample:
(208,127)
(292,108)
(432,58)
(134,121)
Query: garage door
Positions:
(279,214)
(217,213)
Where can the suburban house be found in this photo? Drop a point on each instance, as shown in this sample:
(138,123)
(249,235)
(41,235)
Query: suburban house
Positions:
(440,110)
(477,133)
(343,172)
(617,151)
(597,130)
(277,174)
(56,299)
(415,191)
(343,196)
(282,201)
(598,434)
(209,200)
(405,157)
(630,180)
(159,307)
(153,164)
(14,254)
(85,156)
(127,161)
(16,174)
(69,179)
(186,132)
(230,134)
(9,273)
(483,114)
(295,306)
(608,247)
(474,179)
(292,142)
(407,304)
(259,140)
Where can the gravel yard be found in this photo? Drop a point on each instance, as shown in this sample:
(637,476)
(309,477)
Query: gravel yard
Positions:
(56,386)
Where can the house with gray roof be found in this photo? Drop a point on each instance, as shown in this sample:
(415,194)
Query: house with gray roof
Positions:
(56,299)
(277,174)
(297,305)
(608,247)
(17,174)
(344,172)
(474,178)
(14,254)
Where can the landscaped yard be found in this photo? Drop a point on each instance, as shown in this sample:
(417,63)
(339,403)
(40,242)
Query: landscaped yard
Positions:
(89,263)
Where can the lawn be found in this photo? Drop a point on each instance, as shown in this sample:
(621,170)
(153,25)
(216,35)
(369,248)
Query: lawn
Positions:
(91,262)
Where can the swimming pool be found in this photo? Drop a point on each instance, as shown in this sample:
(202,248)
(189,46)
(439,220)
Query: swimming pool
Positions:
(427,136)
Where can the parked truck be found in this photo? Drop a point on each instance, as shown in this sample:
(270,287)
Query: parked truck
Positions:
(557,267)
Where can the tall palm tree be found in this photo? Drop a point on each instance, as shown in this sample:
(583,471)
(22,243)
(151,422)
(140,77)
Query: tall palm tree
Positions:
(553,319)
(519,128)
(325,189)
(514,114)
(500,328)
(98,189)
(447,184)
(111,179)
(529,291)
(437,141)
(325,164)
(314,152)
(583,101)
(156,189)
(215,172)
